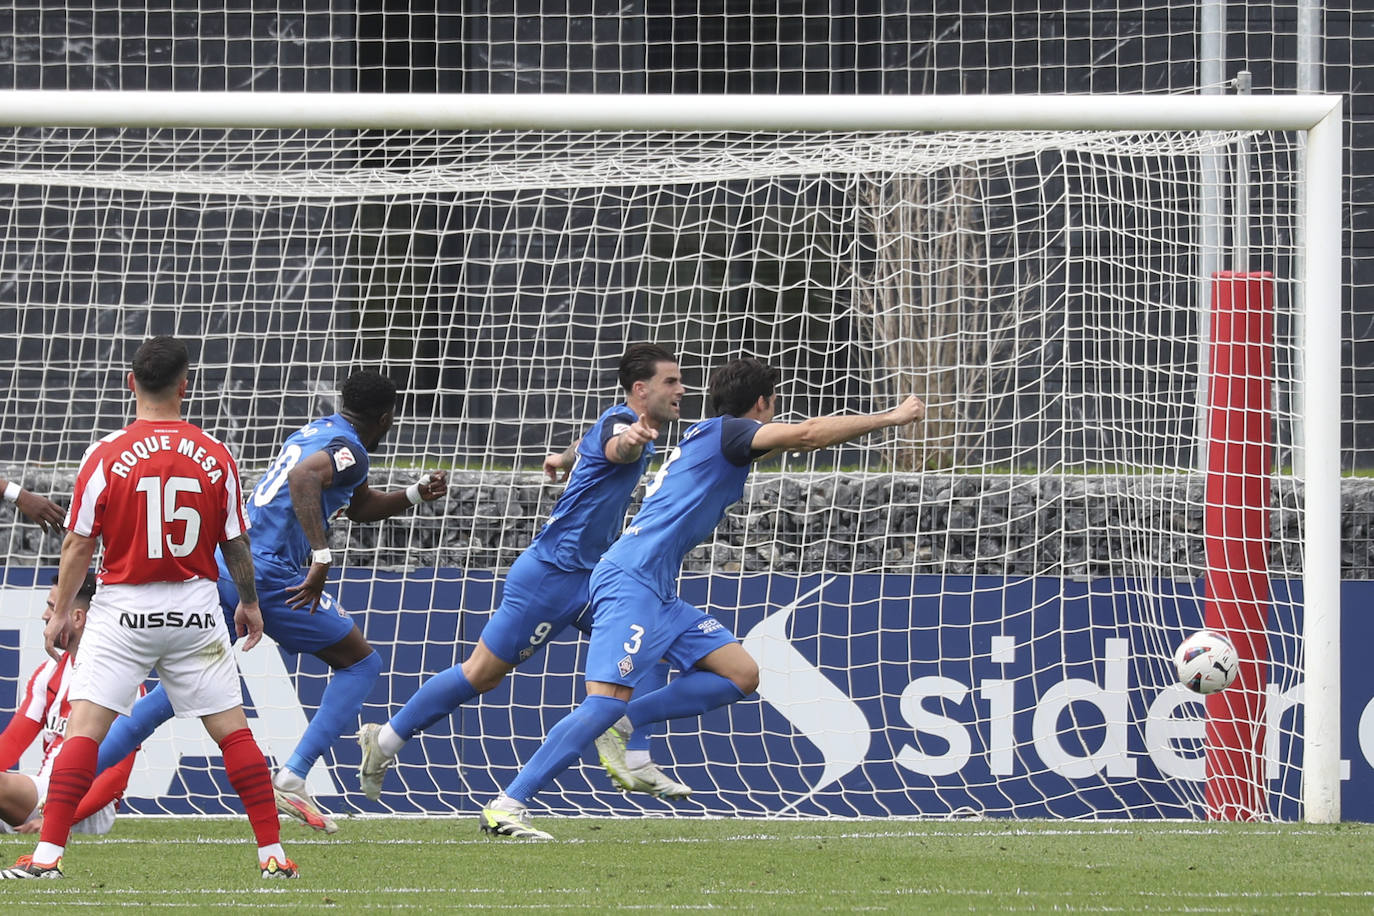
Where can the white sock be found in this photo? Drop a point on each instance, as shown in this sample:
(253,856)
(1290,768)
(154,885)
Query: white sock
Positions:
(636,759)
(390,742)
(48,853)
(289,781)
(624,725)
(267,852)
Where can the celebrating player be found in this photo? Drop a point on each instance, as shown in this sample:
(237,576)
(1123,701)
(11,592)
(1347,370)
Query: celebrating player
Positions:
(637,615)
(321,469)
(44,710)
(159,494)
(546,589)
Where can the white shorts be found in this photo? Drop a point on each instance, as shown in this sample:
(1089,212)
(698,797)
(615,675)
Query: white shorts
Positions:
(175,627)
(97,824)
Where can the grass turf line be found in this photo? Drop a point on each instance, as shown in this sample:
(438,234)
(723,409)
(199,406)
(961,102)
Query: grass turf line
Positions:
(596,865)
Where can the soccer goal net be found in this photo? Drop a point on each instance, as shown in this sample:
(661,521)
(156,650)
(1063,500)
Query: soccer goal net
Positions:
(1120,312)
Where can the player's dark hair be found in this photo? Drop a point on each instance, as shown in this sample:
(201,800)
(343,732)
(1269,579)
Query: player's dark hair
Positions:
(160,363)
(369,394)
(640,362)
(737,386)
(87,590)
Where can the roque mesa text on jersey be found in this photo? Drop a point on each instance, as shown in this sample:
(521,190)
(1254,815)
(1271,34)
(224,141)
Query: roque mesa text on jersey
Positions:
(148,446)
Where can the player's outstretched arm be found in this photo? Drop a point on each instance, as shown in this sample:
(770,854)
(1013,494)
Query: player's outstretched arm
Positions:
(369,505)
(821,432)
(40,510)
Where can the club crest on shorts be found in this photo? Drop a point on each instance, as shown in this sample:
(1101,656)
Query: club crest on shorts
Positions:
(626,665)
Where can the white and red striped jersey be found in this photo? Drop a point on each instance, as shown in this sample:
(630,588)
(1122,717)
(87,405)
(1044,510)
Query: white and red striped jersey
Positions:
(162,495)
(45,702)
(45,709)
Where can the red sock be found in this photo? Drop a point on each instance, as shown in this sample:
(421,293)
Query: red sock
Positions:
(248,774)
(72,773)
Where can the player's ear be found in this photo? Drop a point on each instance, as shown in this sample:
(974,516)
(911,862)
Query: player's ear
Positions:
(181,389)
(130,381)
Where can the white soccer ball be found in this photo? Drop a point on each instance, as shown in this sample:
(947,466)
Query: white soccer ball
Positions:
(1206,662)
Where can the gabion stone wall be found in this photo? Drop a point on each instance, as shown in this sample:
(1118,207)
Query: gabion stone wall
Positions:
(924,523)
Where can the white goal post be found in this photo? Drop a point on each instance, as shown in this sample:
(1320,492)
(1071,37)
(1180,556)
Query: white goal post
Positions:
(1316,250)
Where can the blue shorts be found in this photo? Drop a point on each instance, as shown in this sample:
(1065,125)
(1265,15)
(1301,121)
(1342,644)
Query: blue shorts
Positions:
(294,630)
(538,601)
(632,628)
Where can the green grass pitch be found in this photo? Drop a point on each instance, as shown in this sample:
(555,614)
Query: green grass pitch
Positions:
(656,864)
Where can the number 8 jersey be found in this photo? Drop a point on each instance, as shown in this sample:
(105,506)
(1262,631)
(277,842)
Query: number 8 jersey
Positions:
(162,495)
(277,534)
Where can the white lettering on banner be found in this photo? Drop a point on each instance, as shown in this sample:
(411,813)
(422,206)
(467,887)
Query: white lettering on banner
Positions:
(998,692)
(1165,732)
(1277,703)
(278,725)
(926,722)
(1111,700)
(1366,731)
(1000,695)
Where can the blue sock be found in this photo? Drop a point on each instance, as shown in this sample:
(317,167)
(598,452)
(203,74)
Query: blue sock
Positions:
(128,732)
(692,694)
(565,743)
(651,682)
(339,708)
(437,697)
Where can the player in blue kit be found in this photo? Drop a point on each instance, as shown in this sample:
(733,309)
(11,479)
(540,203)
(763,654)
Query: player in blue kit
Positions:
(321,470)
(637,615)
(546,589)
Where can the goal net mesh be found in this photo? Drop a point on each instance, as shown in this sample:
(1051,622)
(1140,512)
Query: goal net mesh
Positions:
(971,616)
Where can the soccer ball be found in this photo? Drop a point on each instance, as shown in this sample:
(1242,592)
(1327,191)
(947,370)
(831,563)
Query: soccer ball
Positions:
(1206,662)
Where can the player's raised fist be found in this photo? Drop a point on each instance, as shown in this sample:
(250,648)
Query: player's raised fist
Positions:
(909,411)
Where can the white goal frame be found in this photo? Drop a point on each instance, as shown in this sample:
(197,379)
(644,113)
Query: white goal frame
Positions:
(1319,118)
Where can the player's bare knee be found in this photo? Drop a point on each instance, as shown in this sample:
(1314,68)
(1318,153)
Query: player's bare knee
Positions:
(484,679)
(484,669)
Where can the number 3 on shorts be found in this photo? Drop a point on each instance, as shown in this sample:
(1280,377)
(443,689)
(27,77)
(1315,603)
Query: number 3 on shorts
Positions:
(636,636)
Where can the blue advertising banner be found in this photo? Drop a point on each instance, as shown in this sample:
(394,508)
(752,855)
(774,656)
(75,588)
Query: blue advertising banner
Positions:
(880,696)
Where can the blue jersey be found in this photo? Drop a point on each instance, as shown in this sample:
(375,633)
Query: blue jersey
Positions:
(277,535)
(591,512)
(703,476)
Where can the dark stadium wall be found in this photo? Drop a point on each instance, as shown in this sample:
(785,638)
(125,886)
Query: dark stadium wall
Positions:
(679,46)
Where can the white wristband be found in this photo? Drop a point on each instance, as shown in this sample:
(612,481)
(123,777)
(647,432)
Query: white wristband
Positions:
(413,491)
(12,491)
(322,556)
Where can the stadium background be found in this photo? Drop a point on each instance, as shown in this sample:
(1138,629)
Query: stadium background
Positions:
(859,47)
